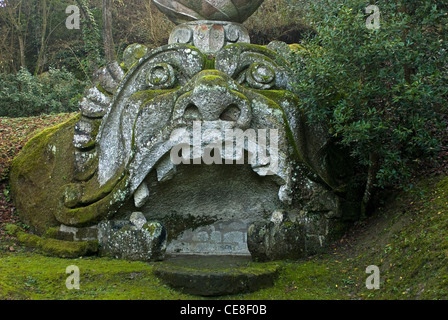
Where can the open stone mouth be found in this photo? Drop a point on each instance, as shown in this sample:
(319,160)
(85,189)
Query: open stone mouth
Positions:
(214,181)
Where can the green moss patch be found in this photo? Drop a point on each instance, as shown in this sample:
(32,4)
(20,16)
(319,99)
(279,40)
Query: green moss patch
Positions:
(38,173)
(408,241)
(54,247)
(27,275)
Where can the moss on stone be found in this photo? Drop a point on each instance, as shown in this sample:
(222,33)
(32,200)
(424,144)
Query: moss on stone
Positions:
(72,194)
(102,90)
(296,47)
(41,184)
(210,64)
(407,240)
(52,232)
(103,208)
(150,227)
(68,249)
(132,54)
(274,100)
(29,240)
(38,173)
(215,276)
(55,247)
(143,97)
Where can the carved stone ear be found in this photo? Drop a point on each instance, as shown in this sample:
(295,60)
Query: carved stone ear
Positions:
(261,68)
(161,76)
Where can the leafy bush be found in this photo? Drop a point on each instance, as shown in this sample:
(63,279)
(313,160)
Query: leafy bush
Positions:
(277,20)
(23,95)
(381,91)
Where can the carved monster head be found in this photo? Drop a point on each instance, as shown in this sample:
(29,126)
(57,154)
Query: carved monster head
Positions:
(178,118)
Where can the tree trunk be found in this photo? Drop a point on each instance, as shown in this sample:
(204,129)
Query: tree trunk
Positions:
(409,70)
(370,185)
(93,53)
(41,56)
(19,29)
(22,50)
(109,47)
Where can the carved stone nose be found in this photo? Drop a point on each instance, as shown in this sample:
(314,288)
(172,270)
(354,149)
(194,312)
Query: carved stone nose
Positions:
(211,100)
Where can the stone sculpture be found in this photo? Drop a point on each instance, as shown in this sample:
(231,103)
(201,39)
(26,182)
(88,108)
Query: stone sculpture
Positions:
(110,171)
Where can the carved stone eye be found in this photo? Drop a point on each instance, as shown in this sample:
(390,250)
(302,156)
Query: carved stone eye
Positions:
(161,76)
(261,76)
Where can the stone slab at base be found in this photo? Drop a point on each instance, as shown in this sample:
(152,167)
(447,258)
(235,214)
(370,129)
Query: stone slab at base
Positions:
(216,275)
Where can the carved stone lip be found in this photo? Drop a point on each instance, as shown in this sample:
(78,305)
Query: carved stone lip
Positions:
(162,161)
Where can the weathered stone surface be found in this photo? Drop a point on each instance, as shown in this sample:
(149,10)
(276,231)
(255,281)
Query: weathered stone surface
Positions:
(181,11)
(219,238)
(38,174)
(116,131)
(110,76)
(260,67)
(133,53)
(276,239)
(77,234)
(95,104)
(124,240)
(54,247)
(209,36)
(280,47)
(216,275)
(138,220)
(72,194)
(141,195)
(86,163)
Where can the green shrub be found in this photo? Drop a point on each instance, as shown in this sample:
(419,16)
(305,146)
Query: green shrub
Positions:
(23,95)
(382,90)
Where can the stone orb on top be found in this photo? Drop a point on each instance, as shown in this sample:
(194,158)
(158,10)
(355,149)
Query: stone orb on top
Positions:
(183,11)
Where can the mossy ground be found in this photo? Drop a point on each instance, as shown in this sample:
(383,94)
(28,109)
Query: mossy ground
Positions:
(407,239)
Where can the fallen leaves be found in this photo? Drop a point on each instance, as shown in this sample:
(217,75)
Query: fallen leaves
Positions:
(15,132)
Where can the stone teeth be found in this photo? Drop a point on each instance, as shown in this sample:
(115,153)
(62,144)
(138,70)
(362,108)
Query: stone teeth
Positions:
(284,194)
(277,217)
(96,96)
(82,141)
(138,220)
(165,170)
(141,195)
